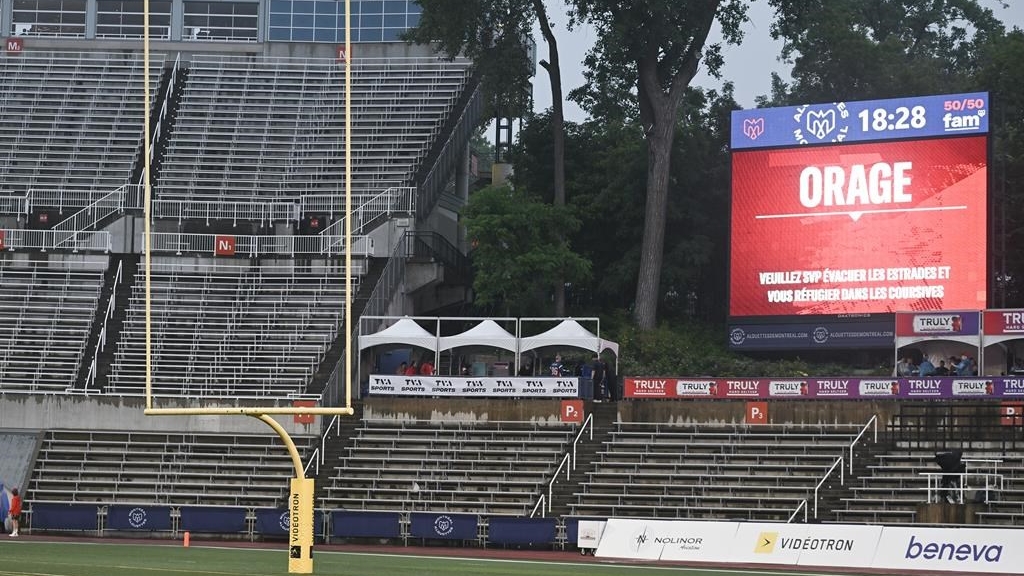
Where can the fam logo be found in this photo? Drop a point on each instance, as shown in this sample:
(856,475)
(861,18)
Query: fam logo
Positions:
(821,123)
(284,521)
(444,525)
(753,127)
(137,517)
(820,335)
(737,336)
(766,542)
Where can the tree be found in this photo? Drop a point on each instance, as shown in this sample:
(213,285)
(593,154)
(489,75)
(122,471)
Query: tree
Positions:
(493,33)
(654,47)
(517,248)
(867,49)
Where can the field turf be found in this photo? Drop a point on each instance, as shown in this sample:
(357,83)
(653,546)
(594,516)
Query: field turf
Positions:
(26,558)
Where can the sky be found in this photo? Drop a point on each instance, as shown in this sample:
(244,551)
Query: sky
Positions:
(748,66)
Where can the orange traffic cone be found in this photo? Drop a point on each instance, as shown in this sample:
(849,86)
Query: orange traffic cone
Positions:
(188,537)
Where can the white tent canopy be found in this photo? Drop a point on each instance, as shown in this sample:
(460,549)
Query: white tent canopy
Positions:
(404,331)
(568,333)
(487,333)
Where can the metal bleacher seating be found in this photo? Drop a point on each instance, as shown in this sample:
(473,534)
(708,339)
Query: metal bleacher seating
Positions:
(46,312)
(229,330)
(262,129)
(897,484)
(71,120)
(163,468)
(484,468)
(705,471)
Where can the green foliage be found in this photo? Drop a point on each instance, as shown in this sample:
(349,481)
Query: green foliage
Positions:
(495,35)
(691,349)
(865,49)
(517,248)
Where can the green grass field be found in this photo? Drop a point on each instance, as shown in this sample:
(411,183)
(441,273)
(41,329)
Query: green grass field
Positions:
(25,558)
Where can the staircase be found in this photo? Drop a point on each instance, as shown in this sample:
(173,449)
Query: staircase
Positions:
(339,439)
(832,495)
(564,492)
(105,359)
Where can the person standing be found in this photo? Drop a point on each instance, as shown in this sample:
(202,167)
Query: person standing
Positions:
(15,512)
(598,373)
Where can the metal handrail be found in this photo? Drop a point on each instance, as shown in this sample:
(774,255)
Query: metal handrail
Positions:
(588,423)
(802,505)
(314,460)
(540,504)
(101,342)
(872,420)
(842,481)
(551,485)
(999,482)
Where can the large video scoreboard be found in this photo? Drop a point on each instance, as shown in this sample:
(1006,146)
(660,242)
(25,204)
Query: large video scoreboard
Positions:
(845,213)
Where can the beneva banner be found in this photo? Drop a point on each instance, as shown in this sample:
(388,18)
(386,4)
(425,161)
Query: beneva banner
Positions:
(823,388)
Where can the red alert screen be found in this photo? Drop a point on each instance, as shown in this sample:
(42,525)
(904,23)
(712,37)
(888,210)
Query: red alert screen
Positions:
(860,228)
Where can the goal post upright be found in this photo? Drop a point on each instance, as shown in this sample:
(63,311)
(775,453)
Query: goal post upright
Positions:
(300,498)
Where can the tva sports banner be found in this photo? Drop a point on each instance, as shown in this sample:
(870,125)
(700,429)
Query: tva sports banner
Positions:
(823,388)
(455,386)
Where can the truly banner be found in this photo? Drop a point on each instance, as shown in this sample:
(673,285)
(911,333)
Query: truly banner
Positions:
(463,387)
(838,388)
(938,324)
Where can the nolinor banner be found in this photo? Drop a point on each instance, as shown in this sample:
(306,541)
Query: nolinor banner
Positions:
(667,540)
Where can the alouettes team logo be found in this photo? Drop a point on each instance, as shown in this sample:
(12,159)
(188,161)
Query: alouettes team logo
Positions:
(821,124)
(753,127)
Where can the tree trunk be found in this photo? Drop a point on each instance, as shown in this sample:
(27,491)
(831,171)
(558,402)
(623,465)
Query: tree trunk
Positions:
(659,162)
(557,131)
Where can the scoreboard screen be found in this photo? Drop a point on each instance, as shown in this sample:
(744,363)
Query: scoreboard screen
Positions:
(859,208)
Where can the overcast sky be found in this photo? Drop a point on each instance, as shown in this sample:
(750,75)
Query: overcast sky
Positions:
(748,66)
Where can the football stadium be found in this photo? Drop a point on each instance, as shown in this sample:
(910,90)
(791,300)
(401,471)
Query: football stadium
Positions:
(230,243)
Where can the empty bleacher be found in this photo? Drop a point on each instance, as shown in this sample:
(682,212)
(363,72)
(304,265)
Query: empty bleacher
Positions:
(897,483)
(163,468)
(238,329)
(72,119)
(46,312)
(252,128)
(485,468)
(705,471)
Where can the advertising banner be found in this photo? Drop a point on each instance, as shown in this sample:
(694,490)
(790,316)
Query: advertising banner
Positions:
(859,228)
(443,526)
(64,516)
(509,530)
(463,387)
(213,519)
(366,524)
(945,388)
(1004,323)
(938,324)
(667,540)
(148,518)
(950,549)
(821,334)
(806,544)
(837,122)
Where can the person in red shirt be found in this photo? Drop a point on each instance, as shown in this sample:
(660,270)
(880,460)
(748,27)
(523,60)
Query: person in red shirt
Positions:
(15,512)
(427,368)
(412,370)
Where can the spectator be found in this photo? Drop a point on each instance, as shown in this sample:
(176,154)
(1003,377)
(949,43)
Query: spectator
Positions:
(15,512)
(925,368)
(964,367)
(599,372)
(401,369)
(427,368)
(941,369)
(526,369)
(905,368)
(413,369)
(557,368)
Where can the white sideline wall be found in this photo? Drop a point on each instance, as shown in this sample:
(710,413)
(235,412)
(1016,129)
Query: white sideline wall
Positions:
(856,546)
